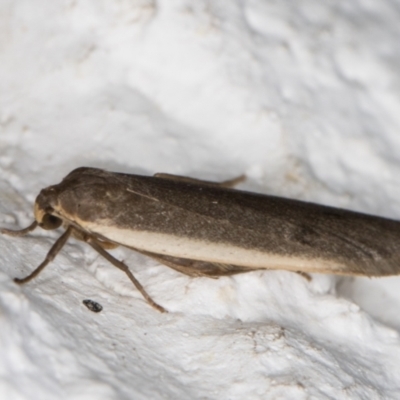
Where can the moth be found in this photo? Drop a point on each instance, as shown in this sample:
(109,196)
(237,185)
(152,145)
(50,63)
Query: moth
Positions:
(207,229)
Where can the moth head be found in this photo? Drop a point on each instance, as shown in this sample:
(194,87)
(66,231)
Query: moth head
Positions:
(44,211)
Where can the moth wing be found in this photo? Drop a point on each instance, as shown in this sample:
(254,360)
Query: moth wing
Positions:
(356,243)
(342,241)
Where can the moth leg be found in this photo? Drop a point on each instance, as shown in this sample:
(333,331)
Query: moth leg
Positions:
(172,262)
(305,275)
(196,268)
(20,232)
(107,245)
(230,183)
(123,267)
(226,184)
(57,246)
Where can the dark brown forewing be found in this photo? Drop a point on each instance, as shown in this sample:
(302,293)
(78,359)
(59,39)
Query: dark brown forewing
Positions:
(363,244)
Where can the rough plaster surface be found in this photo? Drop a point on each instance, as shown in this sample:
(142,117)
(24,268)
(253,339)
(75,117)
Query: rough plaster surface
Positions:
(302,97)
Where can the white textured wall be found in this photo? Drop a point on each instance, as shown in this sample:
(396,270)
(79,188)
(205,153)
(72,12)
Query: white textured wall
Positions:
(303,97)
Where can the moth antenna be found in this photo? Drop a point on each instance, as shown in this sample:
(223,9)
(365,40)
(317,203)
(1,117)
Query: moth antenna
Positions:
(20,232)
(57,246)
(123,267)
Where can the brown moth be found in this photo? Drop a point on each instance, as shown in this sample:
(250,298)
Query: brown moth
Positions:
(208,229)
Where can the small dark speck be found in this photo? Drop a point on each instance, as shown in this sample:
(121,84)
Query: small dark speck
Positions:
(92,305)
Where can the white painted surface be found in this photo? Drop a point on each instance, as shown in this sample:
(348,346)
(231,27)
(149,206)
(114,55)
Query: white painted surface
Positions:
(302,97)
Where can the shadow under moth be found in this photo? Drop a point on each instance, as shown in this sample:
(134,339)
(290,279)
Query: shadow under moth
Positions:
(202,228)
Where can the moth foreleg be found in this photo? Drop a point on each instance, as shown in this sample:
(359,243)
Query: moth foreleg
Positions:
(57,246)
(227,184)
(123,267)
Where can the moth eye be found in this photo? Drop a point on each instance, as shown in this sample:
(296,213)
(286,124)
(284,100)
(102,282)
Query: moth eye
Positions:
(50,222)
